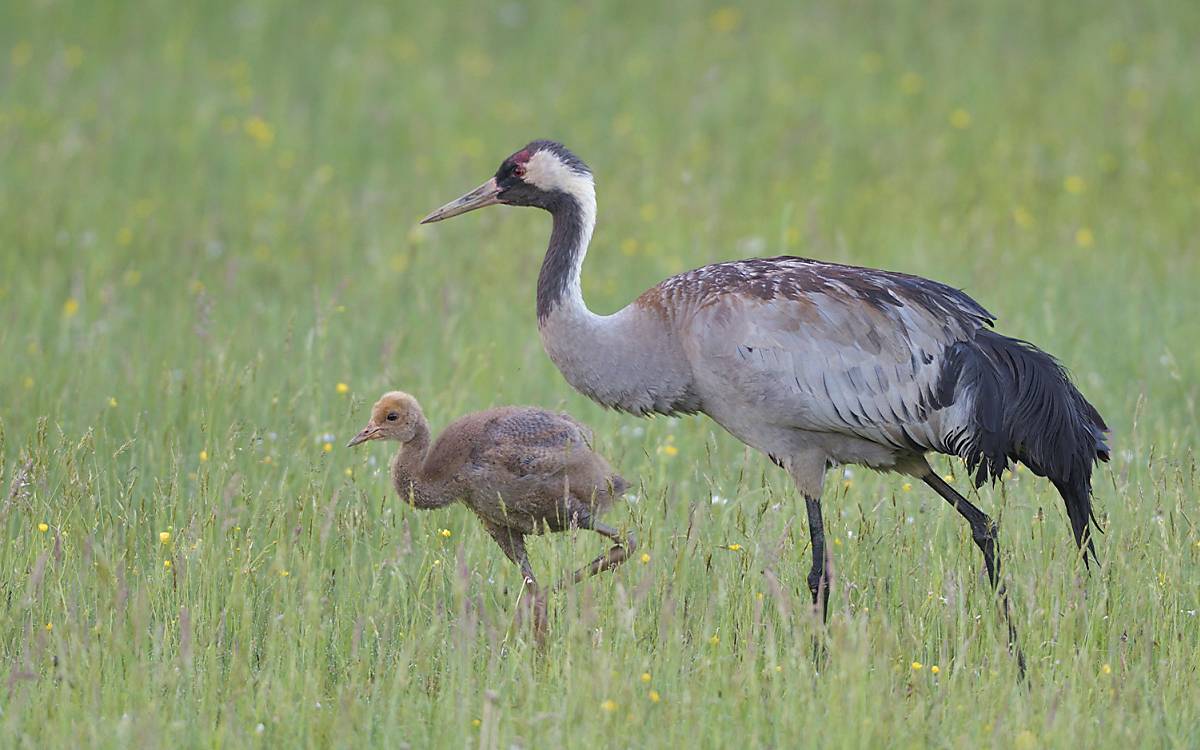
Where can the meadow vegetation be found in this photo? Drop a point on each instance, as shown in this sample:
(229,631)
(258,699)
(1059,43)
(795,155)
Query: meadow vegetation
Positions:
(210,268)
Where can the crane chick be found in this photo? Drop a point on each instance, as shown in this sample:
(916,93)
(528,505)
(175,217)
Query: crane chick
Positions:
(521,469)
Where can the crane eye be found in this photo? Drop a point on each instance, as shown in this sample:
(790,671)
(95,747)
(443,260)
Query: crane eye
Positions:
(519,170)
(392,416)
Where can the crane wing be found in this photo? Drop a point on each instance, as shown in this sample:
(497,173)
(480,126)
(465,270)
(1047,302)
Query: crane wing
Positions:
(832,348)
(532,442)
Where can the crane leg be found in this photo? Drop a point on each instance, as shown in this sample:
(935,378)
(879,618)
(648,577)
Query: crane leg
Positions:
(808,472)
(983,531)
(625,545)
(513,544)
(818,576)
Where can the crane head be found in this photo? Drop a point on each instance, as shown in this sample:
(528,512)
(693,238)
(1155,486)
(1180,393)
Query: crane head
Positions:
(395,416)
(542,174)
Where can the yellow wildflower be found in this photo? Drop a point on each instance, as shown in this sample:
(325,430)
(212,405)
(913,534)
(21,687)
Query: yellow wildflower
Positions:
(164,536)
(70,307)
(124,236)
(143,207)
(645,557)
(670,450)
(609,705)
(934,669)
(1107,669)
(475,723)
(167,564)
(327,447)
(73,57)
(1137,98)
(284,574)
(654,696)
(960,119)
(911,83)
(948,477)
(478,64)
(1084,237)
(203,456)
(622,125)
(349,472)
(646,677)
(343,388)
(112,401)
(1025,740)
(734,547)
(260,130)
(715,640)
(21,54)
(446,533)
(43,527)
(906,487)
(917,666)
(399,263)
(725,20)
(1022,217)
(1074,184)
(49,627)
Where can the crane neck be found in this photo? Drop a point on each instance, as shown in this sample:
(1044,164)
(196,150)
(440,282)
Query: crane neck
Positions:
(631,360)
(574,216)
(408,473)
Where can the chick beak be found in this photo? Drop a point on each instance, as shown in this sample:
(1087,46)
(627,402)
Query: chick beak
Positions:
(370,432)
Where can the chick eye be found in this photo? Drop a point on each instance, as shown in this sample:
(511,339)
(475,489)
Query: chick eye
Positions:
(392,416)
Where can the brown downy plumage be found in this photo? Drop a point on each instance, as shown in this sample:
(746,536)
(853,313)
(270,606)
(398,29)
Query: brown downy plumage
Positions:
(522,470)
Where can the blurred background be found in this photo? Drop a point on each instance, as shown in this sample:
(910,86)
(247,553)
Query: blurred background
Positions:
(210,267)
(198,181)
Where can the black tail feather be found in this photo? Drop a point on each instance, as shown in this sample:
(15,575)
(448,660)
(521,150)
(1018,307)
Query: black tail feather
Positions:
(1026,409)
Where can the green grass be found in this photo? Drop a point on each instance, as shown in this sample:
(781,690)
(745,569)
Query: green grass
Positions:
(207,222)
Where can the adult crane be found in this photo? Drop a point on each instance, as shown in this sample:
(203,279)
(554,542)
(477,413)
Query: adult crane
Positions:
(812,363)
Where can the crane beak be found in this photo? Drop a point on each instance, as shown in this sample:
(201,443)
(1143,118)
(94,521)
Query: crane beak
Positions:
(487,194)
(370,432)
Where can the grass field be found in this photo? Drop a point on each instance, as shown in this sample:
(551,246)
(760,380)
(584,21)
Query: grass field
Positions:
(210,268)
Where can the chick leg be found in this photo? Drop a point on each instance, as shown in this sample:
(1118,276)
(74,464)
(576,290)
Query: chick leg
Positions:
(625,545)
(513,544)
